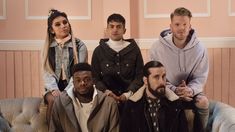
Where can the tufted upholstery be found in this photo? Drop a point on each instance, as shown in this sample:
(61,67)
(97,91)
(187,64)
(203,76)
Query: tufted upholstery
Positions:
(29,115)
(25,115)
(221,118)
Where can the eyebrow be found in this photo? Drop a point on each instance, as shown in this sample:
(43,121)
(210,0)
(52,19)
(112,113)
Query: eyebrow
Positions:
(156,75)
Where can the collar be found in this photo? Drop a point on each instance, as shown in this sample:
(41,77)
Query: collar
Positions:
(138,94)
(170,95)
(72,96)
(117,45)
(62,42)
(110,41)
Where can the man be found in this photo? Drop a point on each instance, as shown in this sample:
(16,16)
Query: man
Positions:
(185,59)
(148,110)
(83,108)
(117,62)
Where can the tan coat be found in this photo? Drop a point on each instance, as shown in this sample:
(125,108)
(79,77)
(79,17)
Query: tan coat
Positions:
(103,118)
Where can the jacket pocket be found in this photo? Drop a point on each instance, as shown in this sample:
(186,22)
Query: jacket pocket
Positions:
(107,68)
(128,68)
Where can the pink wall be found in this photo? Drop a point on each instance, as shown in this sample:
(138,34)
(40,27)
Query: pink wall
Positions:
(210,17)
(25,19)
(23,30)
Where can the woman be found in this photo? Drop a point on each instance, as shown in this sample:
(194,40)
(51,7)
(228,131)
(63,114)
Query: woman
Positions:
(61,51)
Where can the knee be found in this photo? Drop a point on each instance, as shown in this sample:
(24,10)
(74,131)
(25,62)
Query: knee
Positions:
(50,98)
(202,102)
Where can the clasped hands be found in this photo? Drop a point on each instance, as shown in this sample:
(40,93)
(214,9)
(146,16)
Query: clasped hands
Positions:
(184,92)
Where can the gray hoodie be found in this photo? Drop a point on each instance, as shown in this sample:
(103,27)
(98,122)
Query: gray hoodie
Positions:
(189,64)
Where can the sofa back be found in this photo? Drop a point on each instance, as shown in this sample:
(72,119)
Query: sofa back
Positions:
(26,114)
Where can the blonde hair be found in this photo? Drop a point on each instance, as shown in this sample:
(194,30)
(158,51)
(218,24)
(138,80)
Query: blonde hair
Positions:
(75,52)
(181,11)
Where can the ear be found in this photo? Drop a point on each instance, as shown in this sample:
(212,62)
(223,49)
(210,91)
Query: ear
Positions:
(124,31)
(106,33)
(145,80)
(51,31)
(171,27)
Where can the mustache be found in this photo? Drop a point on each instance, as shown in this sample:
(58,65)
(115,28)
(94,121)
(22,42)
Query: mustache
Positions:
(158,92)
(161,86)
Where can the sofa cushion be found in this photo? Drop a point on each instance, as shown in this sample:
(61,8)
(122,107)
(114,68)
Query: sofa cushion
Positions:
(25,115)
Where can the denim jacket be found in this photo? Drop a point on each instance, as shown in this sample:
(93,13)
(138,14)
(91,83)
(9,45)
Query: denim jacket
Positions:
(51,80)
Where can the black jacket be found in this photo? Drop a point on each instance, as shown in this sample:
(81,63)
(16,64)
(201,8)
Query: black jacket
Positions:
(171,115)
(117,71)
(136,119)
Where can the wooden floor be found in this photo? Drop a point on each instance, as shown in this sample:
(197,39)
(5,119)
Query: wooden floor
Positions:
(21,74)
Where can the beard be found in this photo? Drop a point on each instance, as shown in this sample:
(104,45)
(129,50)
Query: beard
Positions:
(158,92)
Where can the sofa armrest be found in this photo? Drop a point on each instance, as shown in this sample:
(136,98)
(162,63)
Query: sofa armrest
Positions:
(25,114)
(222,117)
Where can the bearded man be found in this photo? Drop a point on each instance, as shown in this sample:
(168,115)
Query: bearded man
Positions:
(150,110)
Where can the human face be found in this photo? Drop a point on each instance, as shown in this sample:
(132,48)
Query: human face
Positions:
(115,30)
(60,27)
(180,27)
(156,82)
(83,82)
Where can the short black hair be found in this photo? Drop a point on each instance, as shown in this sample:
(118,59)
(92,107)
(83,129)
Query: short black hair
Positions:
(151,64)
(116,18)
(81,67)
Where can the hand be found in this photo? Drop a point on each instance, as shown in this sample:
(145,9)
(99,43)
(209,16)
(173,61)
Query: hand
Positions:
(56,92)
(180,90)
(184,92)
(183,84)
(122,98)
(183,89)
(188,99)
(187,94)
(111,94)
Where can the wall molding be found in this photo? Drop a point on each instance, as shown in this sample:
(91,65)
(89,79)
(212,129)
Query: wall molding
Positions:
(36,44)
(167,15)
(88,17)
(230,13)
(4,10)
(209,42)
